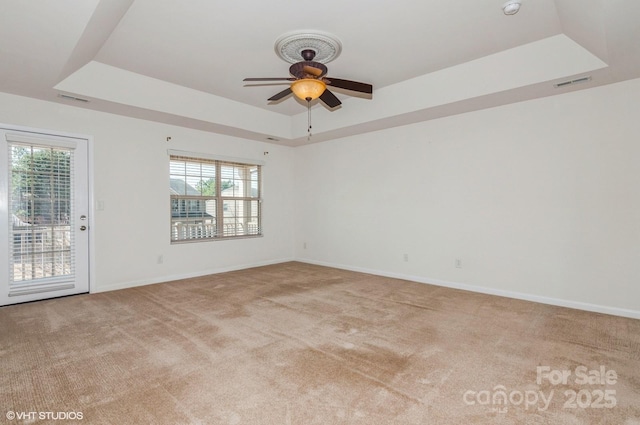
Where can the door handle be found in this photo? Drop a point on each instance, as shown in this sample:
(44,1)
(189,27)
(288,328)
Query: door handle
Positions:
(83,228)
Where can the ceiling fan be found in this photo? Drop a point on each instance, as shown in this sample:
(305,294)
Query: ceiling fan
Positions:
(309,82)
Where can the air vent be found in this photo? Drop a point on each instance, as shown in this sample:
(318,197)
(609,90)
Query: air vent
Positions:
(68,97)
(572,82)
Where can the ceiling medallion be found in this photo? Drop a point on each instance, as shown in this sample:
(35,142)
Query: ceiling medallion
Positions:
(289,46)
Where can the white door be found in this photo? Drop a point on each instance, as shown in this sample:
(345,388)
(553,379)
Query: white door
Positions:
(44,207)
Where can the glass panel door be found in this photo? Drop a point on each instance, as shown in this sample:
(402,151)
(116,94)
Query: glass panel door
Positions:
(46,192)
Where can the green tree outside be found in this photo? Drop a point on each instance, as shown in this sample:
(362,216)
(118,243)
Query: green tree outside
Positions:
(40,184)
(208,187)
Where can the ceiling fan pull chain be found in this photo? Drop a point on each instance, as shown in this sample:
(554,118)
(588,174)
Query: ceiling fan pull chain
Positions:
(309,118)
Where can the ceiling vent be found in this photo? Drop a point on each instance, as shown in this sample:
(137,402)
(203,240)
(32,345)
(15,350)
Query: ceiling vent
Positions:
(572,82)
(68,97)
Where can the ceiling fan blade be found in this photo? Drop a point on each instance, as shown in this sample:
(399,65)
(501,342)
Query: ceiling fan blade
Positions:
(313,71)
(270,79)
(330,99)
(350,85)
(282,94)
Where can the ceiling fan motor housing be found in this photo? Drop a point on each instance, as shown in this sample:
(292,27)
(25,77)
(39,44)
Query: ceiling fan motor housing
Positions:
(298,69)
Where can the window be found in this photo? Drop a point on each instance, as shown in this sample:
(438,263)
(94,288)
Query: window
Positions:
(213,199)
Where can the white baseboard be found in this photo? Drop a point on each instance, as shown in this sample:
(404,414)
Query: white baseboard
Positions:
(169,278)
(615,311)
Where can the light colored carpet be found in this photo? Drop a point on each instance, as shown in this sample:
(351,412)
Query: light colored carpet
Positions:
(301,344)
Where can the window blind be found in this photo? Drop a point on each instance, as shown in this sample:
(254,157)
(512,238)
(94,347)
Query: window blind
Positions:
(40,204)
(213,198)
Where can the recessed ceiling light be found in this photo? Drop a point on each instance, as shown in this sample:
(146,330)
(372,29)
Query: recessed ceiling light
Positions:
(511,7)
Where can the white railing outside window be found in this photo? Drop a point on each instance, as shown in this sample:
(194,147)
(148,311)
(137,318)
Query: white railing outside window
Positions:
(213,199)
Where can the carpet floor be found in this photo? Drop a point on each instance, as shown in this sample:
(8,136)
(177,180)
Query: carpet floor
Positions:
(301,344)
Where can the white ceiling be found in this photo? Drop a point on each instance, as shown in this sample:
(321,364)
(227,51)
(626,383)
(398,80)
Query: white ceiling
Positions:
(183,62)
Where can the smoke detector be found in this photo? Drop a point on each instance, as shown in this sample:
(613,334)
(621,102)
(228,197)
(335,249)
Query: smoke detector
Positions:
(511,7)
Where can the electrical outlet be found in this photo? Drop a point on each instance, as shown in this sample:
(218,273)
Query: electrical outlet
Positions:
(160,259)
(458,263)
(406,257)
(304,245)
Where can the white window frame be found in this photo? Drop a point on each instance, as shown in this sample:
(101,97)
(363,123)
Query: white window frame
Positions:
(232,213)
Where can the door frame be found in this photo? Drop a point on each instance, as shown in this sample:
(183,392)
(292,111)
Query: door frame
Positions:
(90,186)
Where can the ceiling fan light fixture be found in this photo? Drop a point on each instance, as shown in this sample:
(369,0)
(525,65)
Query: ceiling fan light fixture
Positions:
(308,88)
(511,7)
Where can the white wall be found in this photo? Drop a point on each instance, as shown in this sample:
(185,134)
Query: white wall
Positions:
(131,179)
(539,200)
